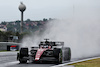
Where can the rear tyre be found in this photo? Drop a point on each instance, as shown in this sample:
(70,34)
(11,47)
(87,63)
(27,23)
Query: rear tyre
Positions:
(69,54)
(58,55)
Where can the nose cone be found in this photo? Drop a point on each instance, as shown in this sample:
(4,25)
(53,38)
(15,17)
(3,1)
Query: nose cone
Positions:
(22,7)
(39,53)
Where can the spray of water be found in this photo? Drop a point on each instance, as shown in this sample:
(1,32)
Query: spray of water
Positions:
(81,36)
(81,32)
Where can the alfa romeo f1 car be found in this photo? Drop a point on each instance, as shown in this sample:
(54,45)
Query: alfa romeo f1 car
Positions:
(47,51)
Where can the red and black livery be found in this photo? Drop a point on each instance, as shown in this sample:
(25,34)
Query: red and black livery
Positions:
(47,51)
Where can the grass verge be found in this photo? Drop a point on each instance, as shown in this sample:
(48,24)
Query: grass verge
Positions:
(89,63)
(5,51)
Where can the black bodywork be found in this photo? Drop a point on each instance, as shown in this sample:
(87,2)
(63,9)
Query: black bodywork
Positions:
(57,52)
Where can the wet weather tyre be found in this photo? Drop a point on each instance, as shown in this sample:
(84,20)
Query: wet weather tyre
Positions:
(69,54)
(23,52)
(60,57)
(23,61)
(17,56)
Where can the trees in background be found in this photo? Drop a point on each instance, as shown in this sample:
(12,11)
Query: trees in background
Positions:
(28,25)
(6,36)
(13,28)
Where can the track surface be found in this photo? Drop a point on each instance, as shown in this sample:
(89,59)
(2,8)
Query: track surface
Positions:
(31,65)
(8,59)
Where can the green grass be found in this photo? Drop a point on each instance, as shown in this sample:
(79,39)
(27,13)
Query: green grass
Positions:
(89,63)
(4,51)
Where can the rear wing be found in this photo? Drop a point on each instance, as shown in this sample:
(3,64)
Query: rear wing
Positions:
(51,43)
(34,48)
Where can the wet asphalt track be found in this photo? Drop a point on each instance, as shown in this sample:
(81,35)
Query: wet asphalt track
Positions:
(31,65)
(8,59)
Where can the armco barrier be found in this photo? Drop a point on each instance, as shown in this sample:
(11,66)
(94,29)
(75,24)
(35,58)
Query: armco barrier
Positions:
(3,45)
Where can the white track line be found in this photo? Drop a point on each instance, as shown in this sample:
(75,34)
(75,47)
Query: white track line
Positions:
(62,65)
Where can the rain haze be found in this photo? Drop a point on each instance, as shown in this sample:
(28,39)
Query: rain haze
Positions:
(78,27)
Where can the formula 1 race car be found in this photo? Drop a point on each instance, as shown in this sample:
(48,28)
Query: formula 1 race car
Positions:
(47,51)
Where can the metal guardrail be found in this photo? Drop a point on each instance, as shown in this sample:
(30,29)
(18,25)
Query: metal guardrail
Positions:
(3,45)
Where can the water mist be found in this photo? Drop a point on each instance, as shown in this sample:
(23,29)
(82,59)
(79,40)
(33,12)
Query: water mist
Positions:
(83,37)
(81,32)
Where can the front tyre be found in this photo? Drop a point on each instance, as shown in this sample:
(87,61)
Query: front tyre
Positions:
(23,53)
(17,56)
(23,60)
